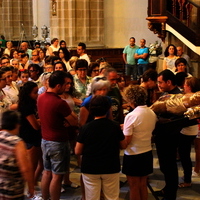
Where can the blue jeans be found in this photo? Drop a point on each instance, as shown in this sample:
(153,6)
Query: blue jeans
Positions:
(55,156)
(142,68)
(131,70)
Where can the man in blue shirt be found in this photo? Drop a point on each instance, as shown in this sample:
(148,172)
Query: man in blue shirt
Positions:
(128,57)
(142,55)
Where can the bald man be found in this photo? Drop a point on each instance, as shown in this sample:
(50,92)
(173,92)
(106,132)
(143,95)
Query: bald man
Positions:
(24,47)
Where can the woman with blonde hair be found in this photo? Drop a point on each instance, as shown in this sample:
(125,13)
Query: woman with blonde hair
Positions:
(138,127)
(35,59)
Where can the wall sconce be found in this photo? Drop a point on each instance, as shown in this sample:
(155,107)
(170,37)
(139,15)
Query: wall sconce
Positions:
(45,32)
(35,31)
(54,8)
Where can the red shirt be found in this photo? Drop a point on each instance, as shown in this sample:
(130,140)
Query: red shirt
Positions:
(52,111)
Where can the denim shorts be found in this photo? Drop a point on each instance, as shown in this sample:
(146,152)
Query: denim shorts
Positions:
(56,156)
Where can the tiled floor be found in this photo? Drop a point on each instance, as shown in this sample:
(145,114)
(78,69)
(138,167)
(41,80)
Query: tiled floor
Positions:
(155,180)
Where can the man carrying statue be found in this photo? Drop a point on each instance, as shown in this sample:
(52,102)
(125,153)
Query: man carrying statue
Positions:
(169,109)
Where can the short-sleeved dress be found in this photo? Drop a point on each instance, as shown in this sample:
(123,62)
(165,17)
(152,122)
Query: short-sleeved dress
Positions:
(31,136)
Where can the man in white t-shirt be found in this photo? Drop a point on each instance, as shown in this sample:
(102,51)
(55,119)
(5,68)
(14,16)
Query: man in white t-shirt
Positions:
(81,48)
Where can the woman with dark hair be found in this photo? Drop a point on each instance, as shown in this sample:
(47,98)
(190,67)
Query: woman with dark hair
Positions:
(81,80)
(30,127)
(59,66)
(42,54)
(187,136)
(181,66)
(69,95)
(64,55)
(35,71)
(14,54)
(15,167)
(138,127)
(170,58)
(63,44)
(93,69)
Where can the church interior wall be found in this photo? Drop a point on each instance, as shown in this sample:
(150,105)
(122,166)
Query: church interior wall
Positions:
(124,19)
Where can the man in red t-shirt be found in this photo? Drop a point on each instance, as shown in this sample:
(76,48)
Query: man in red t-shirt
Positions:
(55,115)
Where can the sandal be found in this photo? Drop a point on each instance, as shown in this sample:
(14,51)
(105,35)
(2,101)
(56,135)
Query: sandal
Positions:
(184,185)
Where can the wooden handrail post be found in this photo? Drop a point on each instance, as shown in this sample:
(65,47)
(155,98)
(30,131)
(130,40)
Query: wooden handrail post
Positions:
(189,7)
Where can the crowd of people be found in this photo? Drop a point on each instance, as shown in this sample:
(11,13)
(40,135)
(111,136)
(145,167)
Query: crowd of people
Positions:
(71,105)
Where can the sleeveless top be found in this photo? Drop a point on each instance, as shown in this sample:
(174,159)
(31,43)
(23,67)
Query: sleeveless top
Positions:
(11,181)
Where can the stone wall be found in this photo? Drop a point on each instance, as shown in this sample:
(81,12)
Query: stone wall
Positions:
(16,17)
(77,21)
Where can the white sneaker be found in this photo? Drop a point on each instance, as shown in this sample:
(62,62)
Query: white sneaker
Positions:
(194,174)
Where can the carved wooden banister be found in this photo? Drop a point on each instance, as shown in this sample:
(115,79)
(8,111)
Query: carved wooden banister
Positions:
(181,15)
(181,8)
(189,7)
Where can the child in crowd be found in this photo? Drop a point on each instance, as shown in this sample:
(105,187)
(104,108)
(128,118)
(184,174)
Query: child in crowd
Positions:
(23,78)
(44,81)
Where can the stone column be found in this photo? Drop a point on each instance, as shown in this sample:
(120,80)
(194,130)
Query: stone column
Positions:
(41,15)
(77,21)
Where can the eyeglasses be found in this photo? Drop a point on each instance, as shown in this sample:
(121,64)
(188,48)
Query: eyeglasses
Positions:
(34,55)
(32,71)
(9,76)
(95,70)
(100,78)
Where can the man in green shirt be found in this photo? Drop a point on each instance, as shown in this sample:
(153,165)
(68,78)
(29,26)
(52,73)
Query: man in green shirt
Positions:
(128,57)
(2,42)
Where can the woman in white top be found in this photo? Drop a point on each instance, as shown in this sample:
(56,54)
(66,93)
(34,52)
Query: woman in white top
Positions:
(170,58)
(72,101)
(187,136)
(138,127)
(54,46)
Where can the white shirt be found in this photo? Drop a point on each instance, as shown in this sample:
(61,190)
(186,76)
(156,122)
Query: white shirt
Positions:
(139,124)
(86,57)
(190,130)
(12,92)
